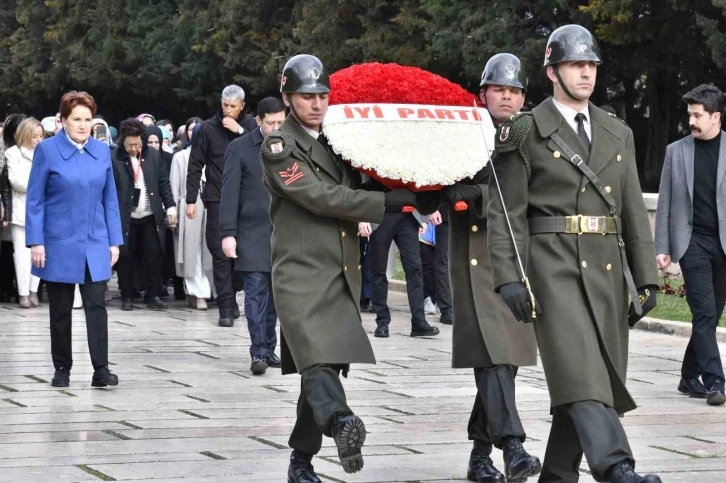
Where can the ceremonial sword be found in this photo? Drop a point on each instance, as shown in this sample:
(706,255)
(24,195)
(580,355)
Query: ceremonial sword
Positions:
(525,279)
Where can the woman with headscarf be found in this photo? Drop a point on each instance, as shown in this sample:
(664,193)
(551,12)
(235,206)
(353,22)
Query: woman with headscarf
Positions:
(19,160)
(145,204)
(192,257)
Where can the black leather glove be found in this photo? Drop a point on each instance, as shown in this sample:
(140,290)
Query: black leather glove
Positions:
(397,199)
(516,296)
(461,192)
(647,300)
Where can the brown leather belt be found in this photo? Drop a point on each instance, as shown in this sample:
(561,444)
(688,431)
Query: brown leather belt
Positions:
(578,224)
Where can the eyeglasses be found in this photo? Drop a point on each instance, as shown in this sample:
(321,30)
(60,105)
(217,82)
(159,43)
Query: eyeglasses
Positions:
(134,145)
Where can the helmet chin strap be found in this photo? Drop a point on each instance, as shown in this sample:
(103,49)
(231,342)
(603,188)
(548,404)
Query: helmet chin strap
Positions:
(292,107)
(562,84)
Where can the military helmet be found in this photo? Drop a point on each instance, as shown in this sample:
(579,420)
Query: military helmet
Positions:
(305,74)
(504,70)
(572,43)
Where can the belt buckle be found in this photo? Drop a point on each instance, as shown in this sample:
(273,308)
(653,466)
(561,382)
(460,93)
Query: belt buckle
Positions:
(592,224)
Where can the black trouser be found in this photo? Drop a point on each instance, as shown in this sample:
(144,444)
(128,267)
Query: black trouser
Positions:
(170,266)
(428,255)
(441,269)
(142,243)
(222,267)
(321,397)
(704,272)
(260,312)
(494,417)
(60,298)
(365,269)
(401,228)
(589,427)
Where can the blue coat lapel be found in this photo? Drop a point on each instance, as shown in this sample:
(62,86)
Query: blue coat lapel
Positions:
(68,149)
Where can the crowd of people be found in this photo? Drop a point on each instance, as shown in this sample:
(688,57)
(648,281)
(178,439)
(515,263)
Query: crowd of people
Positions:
(262,205)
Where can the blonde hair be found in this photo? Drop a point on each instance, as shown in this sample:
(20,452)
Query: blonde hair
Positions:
(24,134)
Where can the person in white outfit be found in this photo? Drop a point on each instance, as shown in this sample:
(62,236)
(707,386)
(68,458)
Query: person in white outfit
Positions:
(191,254)
(19,160)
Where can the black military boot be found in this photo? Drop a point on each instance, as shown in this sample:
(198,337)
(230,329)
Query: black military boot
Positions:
(349,434)
(518,464)
(481,468)
(226,318)
(301,469)
(623,472)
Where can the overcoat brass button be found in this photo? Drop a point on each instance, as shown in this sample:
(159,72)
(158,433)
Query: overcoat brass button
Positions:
(619,158)
(345,269)
(608,189)
(556,154)
(583,189)
(359,268)
(584,264)
(474,262)
(343,233)
(608,267)
(474,228)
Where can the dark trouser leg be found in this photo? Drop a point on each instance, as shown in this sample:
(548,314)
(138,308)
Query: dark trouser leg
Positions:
(322,397)
(564,453)
(497,406)
(380,241)
(428,253)
(699,276)
(589,427)
(365,268)
(60,299)
(256,300)
(222,266)
(153,256)
(94,305)
(127,262)
(441,267)
(271,317)
(406,238)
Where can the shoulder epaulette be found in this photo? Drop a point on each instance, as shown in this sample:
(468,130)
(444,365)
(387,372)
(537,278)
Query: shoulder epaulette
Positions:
(278,146)
(512,132)
(616,117)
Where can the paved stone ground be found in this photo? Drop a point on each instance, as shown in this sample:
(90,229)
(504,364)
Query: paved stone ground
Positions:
(188,409)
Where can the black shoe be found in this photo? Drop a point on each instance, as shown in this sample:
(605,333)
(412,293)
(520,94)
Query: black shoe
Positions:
(365,305)
(425,331)
(273,361)
(225,318)
(156,304)
(301,469)
(349,434)
(102,377)
(163,292)
(481,468)
(381,331)
(623,473)
(693,388)
(259,366)
(518,464)
(716,395)
(446,319)
(235,312)
(127,304)
(61,378)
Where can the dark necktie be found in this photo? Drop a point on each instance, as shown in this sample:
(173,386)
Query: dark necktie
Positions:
(580,118)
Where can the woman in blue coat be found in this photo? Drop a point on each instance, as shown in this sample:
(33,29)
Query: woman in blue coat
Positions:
(73,229)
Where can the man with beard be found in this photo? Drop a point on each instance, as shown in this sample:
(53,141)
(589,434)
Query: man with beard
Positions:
(214,136)
(486,336)
(567,218)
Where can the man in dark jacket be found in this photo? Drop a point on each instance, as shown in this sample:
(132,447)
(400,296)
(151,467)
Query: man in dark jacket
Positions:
(145,200)
(245,219)
(214,136)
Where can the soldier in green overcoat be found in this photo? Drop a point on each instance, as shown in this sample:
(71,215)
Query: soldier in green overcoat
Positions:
(569,185)
(315,208)
(486,336)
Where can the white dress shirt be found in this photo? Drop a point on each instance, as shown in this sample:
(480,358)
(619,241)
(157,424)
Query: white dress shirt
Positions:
(314,134)
(569,114)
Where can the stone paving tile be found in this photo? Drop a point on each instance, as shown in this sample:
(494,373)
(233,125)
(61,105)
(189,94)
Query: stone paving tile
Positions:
(188,410)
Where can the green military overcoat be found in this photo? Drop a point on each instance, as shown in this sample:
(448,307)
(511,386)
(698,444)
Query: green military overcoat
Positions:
(315,208)
(485,332)
(578,280)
